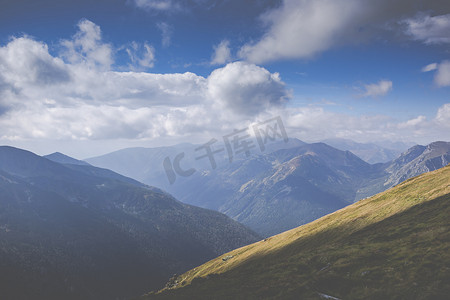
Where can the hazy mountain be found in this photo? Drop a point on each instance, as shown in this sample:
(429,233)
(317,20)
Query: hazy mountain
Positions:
(395,145)
(143,164)
(74,231)
(281,190)
(369,152)
(146,164)
(278,189)
(392,245)
(270,192)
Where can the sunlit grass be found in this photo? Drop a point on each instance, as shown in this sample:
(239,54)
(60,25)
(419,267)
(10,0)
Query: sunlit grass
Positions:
(393,245)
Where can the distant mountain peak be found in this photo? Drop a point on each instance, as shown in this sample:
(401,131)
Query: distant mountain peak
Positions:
(417,160)
(439,146)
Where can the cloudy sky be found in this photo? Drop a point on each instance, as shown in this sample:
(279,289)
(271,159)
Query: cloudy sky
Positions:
(88,77)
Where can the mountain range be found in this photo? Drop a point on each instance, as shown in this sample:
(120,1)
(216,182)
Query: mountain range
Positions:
(394,245)
(282,188)
(69,230)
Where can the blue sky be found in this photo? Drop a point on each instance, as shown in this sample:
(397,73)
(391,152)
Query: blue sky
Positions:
(88,77)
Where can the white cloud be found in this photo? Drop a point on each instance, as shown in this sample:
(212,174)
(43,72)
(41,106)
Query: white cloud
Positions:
(25,62)
(430,67)
(166,33)
(89,122)
(92,104)
(246,88)
(378,89)
(173,6)
(300,29)
(46,99)
(413,122)
(157,5)
(87,47)
(222,53)
(316,123)
(442,77)
(428,29)
(141,56)
(443,115)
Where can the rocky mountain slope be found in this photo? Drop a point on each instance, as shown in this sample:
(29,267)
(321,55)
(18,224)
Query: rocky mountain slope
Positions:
(418,160)
(278,191)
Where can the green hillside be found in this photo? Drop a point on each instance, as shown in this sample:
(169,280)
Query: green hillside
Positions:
(395,245)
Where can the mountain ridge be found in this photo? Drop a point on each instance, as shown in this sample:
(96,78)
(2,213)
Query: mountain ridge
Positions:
(394,244)
(71,231)
(64,159)
(296,184)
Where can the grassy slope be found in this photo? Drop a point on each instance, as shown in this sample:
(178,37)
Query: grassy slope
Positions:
(395,245)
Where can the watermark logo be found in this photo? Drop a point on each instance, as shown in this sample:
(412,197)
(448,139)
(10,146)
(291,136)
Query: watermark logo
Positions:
(237,142)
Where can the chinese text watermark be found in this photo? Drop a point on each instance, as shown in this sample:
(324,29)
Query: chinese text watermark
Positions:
(237,142)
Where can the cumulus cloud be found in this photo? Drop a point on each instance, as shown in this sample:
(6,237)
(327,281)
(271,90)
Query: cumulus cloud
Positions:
(141,56)
(222,53)
(25,67)
(87,47)
(378,89)
(434,129)
(412,122)
(44,97)
(316,124)
(442,77)
(246,88)
(443,115)
(428,29)
(25,61)
(50,98)
(89,122)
